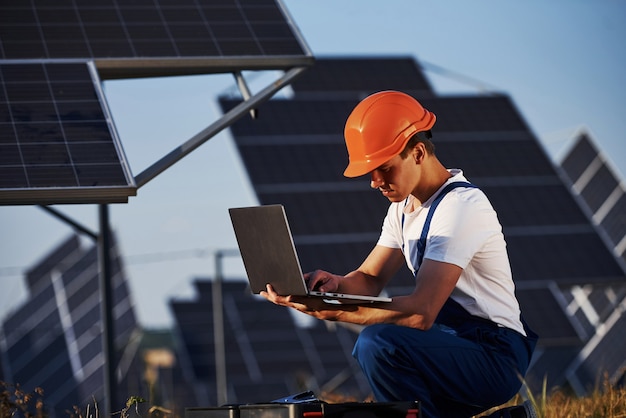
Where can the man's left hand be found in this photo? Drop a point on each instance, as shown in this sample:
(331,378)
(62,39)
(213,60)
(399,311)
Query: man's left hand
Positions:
(314,306)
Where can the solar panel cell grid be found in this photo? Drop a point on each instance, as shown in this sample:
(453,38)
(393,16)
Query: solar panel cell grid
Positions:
(317,212)
(615,221)
(550,257)
(53,130)
(603,299)
(608,357)
(579,158)
(126,29)
(599,188)
(538,307)
(481,158)
(365,75)
(475,114)
(534,206)
(295,163)
(289,117)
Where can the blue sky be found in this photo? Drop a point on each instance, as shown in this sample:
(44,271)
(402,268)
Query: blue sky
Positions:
(561,61)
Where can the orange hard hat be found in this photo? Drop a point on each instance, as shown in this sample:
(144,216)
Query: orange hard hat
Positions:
(379,128)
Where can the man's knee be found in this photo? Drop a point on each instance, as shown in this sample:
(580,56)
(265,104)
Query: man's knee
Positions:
(373,341)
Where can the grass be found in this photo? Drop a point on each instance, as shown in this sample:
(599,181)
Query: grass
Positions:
(607,401)
(15,402)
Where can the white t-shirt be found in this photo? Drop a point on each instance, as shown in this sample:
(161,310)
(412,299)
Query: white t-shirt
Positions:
(464,231)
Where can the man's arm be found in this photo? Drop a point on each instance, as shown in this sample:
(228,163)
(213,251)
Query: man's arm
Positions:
(369,279)
(434,284)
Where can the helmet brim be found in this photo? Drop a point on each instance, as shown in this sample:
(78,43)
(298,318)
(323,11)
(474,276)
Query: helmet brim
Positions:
(361,168)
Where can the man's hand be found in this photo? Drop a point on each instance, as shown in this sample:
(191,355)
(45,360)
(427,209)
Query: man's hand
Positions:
(314,306)
(322,281)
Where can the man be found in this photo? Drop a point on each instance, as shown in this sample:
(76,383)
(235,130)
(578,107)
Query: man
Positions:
(457,343)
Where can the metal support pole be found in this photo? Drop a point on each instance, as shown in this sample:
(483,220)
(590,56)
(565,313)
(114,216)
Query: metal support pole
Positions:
(78,227)
(218,333)
(218,326)
(225,121)
(245,92)
(106,310)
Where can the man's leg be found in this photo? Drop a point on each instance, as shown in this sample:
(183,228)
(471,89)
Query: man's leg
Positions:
(450,376)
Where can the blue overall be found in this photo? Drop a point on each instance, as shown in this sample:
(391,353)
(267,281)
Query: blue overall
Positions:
(460,367)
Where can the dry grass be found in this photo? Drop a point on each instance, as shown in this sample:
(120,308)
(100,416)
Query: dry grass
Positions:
(15,402)
(607,401)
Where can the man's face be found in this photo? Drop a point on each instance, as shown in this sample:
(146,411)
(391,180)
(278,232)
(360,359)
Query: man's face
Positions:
(395,179)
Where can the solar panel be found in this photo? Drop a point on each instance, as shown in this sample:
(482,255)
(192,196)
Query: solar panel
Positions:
(366,75)
(463,114)
(615,221)
(599,188)
(149,38)
(553,325)
(483,155)
(514,212)
(58,143)
(263,344)
(608,357)
(57,140)
(67,356)
(574,258)
(579,158)
(550,365)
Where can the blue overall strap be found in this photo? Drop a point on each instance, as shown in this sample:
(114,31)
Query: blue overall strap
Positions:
(421,243)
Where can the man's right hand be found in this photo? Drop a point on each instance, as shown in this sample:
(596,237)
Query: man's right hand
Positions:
(322,281)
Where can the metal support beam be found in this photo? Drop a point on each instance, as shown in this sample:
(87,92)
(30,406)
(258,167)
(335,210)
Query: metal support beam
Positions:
(106,310)
(225,121)
(218,327)
(78,227)
(245,92)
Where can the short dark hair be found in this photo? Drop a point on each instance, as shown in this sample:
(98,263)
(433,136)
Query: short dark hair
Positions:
(423,137)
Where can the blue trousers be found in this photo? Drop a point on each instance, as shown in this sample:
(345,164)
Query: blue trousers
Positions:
(452,372)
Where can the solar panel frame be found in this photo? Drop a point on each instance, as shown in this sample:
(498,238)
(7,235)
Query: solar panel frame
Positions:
(63,147)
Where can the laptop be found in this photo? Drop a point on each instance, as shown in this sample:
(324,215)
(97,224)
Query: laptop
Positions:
(269,254)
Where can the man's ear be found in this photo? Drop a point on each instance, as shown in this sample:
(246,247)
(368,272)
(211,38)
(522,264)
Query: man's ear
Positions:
(419,152)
